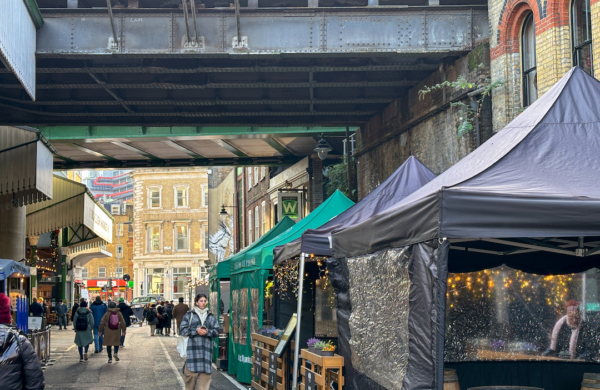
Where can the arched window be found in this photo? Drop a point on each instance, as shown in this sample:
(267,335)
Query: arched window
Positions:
(582,34)
(529,65)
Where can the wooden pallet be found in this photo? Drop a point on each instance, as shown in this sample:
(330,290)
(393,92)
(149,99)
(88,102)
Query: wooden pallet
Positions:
(267,345)
(327,369)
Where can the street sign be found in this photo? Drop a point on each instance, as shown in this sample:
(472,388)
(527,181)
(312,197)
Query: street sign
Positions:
(272,377)
(257,363)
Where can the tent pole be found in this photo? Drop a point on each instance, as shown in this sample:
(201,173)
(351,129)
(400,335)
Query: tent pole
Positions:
(299,314)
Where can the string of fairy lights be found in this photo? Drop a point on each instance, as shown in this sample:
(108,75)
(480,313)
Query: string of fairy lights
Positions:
(554,290)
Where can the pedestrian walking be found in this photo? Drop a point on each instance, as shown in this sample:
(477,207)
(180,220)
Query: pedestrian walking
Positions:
(35,309)
(152,319)
(19,365)
(179,311)
(126,312)
(160,310)
(168,319)
(112,327)
(83,321)
(200,326)
(73,311)
(145,313)
(99,308)
(61,313)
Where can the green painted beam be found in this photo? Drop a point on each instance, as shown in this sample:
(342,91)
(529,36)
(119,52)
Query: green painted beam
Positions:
(34,13)
(277,146)
(70,133)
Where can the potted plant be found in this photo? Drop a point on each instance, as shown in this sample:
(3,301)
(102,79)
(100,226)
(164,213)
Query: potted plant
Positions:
(311,344)
(318,347)
(328,349)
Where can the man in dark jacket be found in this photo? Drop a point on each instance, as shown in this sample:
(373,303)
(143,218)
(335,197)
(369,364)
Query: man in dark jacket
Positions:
(61,313)
(19,365)
(35,309)
(98,309)
(125,312)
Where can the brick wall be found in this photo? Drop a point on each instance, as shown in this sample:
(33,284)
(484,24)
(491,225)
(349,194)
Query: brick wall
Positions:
(255,195)
(110,263)
(424,127)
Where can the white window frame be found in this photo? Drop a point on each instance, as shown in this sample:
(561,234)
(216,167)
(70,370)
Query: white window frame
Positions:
(204,195)
(263,171)
(119,275)
(263,206)
(250,227)
(119,251)
(256,223)
(205,237)
(150,190)
(178,187)
(176,238)
(115,209)
(102,274)
(249,170)
(85,273)
(148,241)
(256,175)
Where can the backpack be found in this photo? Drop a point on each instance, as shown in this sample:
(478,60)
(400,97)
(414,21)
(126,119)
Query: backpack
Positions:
(113,320)
(82,322)
(150,316)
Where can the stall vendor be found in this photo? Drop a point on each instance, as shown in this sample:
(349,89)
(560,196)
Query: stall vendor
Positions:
(579,334)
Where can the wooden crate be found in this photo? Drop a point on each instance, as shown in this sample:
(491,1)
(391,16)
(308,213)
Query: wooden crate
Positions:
(267,345)
(326,369)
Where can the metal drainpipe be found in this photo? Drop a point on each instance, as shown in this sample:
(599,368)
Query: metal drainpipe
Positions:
(475,107)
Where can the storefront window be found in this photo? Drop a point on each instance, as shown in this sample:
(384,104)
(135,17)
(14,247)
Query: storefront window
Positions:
(181,234)
(181,277)
(529,64)
(582,34)
(325,313)
(156,281)
(153,239)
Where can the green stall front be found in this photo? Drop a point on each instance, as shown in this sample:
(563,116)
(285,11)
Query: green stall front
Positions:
(218,273)
(250,273)
(238,350)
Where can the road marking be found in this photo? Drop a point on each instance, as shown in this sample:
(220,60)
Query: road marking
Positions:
(236,383)
(175,370)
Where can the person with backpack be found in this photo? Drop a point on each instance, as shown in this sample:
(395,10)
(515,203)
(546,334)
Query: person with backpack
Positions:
(200,326)
(126,312)
(152,319)
(167,317)
(19,365)
(98,309)
(112,328)
(83,322)
(159,313)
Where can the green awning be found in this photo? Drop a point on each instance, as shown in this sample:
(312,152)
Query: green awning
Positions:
(219,271)
(261,257)
(238,262)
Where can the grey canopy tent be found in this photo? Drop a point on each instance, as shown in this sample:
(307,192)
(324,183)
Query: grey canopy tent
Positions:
(528,198)
(409,177)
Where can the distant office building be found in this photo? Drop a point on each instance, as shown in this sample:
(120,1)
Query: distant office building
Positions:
(113,189)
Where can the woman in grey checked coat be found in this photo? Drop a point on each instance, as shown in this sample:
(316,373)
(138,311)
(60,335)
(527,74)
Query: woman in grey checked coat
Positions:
(200,326)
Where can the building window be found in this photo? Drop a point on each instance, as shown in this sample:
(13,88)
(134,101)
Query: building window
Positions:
(529,64)
(582,35)
(256,175)
(263,172)
(119,250)
(154,198)
(114,209)
(256,223)
(264,217)
(206,237)
(204,196)
(102,272)
(181,194)
(181,277)
(181,236)
(249,227)
(84,273)
(153,239)
(119,272)
(249,169)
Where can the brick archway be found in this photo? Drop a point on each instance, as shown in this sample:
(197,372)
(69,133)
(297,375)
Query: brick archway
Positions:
(511,22)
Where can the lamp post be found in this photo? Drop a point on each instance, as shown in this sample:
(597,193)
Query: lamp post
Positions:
(119,230)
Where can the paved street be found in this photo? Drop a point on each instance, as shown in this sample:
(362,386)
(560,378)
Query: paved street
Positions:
(146,362)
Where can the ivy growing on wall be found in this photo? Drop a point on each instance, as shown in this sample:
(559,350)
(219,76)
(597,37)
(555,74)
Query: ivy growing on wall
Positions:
(336,178)
(465,111)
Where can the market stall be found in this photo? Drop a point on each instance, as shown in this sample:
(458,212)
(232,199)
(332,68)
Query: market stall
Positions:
(219,274)
(250,274)
(248,283)
(14,280)
(318,315)
(520,206)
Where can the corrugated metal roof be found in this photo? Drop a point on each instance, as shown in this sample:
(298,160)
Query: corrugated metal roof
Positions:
(66,209)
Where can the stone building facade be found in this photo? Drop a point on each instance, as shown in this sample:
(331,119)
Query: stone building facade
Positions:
(257,205)
(170,230)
